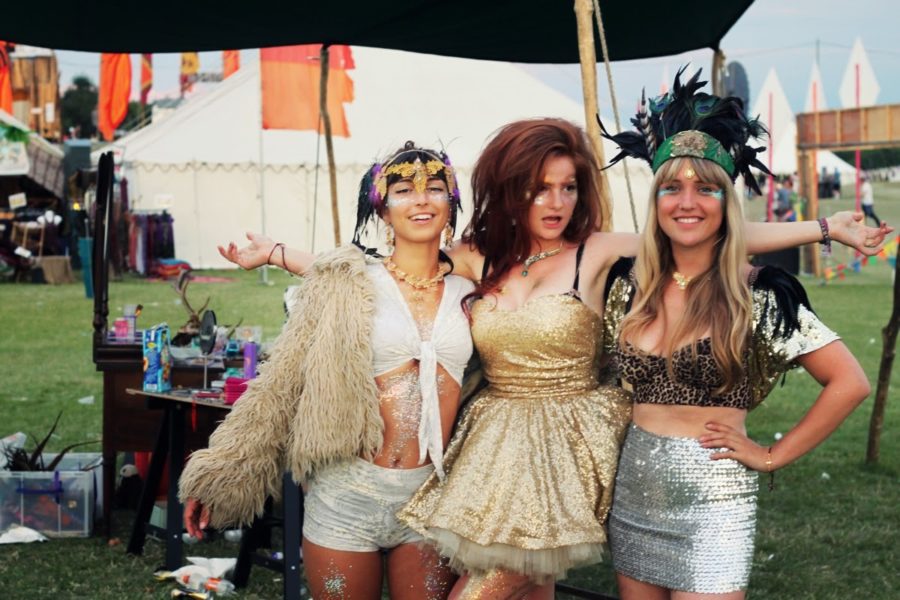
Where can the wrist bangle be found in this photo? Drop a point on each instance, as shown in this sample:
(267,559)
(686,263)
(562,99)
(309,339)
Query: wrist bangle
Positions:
(284,264)
(271,252)
(769,468)
(826,237)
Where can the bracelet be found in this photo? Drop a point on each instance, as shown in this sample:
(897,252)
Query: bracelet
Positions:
(769,468)
(269,259)
(284,262)
(826,237)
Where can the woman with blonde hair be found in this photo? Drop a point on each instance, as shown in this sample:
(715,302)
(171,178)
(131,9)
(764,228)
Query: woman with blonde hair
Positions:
(702,337)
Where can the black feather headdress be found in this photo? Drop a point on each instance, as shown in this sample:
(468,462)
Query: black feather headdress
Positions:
(725,130)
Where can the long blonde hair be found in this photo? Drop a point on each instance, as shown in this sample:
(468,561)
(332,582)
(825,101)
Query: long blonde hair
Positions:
(718,301)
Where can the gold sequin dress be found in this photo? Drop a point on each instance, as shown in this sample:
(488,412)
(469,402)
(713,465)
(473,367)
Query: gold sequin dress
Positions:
(531,465)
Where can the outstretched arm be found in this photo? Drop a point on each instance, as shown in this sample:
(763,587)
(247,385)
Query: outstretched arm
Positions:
(845,227)
(844,386)
(262,251)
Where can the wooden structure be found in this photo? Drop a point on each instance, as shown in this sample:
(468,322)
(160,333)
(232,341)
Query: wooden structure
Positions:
(35,84)
(863,128)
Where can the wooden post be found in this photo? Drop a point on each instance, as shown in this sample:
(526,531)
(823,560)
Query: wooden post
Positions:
(329,144)
(584,14)
(889,350)
(718,68)
(806,168)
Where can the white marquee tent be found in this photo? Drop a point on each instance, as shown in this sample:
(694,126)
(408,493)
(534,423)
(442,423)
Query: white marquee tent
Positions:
(202,162)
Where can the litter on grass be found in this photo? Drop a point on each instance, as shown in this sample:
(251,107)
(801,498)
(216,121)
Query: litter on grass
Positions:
(18,534)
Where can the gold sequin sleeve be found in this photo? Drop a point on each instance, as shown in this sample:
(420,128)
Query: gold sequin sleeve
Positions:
(614,312)
(772,352)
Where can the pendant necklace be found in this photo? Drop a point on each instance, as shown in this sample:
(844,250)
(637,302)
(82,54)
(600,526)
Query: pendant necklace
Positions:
(681,281)
(539,256)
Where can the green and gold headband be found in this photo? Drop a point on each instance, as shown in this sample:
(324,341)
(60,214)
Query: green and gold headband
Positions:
(694,144)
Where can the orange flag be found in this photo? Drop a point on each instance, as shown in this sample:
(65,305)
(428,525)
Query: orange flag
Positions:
(146,76)
(115,89)
(190,66)
(231,62)
(290,87)
(6,95)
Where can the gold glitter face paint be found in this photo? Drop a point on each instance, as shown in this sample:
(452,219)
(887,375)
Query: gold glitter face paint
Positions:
(404,193)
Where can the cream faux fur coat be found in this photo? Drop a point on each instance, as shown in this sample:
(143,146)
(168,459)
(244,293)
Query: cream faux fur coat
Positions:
(314,402)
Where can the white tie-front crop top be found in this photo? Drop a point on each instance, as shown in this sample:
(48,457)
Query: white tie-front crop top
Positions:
(396,341)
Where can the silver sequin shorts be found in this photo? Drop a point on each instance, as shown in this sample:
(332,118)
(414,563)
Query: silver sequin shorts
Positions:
(679,519)
(351,506)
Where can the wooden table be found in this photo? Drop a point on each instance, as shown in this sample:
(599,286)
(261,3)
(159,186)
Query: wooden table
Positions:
(170,444)
(129,423)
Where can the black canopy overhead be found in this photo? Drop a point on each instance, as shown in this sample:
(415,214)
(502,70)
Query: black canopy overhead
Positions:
(529,31)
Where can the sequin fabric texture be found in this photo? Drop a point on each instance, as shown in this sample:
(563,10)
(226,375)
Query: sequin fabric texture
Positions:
(681,520)
(533,459)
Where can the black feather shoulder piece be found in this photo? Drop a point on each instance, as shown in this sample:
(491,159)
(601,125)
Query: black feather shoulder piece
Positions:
(789,296)
(620,270)
(686,108)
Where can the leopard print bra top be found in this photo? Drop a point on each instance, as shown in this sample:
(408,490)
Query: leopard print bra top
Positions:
(694,384)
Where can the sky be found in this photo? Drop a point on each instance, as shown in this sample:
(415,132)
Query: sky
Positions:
(772,33)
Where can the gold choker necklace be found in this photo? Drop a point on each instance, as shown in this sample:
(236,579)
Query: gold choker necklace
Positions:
(539,256)
(419,284)
(681,281)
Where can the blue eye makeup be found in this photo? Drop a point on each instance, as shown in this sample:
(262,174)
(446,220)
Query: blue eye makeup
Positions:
(666,191)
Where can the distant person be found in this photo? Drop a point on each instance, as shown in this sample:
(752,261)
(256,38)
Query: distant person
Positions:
(784,202)
(836,181)
(868,200)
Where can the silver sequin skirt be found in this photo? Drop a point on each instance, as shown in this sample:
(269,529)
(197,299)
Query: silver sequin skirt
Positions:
(679,519)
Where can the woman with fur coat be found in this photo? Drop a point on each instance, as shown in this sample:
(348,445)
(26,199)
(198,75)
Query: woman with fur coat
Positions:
(359,396)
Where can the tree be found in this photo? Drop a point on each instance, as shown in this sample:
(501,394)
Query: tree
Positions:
(137,116)
(78,107)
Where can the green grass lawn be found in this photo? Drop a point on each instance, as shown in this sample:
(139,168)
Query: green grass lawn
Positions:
(831,529)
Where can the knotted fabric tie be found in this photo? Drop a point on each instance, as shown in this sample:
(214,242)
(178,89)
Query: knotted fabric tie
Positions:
(431,441)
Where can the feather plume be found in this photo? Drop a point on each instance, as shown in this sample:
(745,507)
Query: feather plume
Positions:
(685,107)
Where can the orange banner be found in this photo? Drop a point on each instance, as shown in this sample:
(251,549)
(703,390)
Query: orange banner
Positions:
(190,66)
(115,89)
(6,95)
(290,87)
(231,62)
(146,76)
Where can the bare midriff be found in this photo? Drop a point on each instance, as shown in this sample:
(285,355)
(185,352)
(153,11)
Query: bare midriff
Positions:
(685,421)
(401,406)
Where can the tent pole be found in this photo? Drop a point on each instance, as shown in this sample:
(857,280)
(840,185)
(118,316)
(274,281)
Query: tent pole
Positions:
(329,145)
(718,69)
(584,14)
(264,270)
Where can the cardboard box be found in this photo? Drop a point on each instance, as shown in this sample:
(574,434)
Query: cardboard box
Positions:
(57,503)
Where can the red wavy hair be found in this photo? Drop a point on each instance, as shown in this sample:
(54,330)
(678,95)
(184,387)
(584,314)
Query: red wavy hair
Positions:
(504,180)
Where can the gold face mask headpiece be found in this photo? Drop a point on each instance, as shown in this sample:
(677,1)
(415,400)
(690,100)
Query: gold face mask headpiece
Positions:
(418,171)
